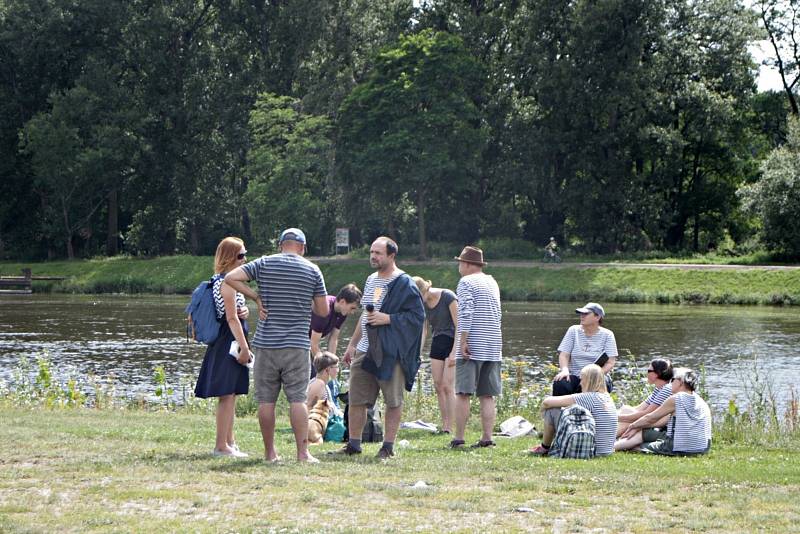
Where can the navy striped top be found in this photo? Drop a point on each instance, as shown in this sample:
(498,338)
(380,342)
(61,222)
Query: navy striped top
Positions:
(690,427)
(605,419)
(287,284)
(659,395)
(479,315)
(219,303)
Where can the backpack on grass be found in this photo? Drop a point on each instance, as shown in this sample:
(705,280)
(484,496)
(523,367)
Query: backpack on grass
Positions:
(575,434)
(201,322)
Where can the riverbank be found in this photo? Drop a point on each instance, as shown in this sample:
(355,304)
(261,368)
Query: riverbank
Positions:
(519,281)
(137,470)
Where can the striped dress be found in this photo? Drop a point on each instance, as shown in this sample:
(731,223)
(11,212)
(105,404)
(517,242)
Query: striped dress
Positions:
(690,426)
(605,419)
(479,315)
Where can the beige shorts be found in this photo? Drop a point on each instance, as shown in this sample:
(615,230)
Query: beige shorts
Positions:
(364,386)
(274,368)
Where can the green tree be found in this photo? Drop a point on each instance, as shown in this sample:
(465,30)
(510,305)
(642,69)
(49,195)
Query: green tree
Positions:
(290,165)
(775,198)
(411,132)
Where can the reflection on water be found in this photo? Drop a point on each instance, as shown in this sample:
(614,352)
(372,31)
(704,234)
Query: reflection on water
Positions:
(128,337)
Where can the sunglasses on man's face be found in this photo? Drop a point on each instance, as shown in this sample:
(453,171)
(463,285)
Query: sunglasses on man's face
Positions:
(242,255)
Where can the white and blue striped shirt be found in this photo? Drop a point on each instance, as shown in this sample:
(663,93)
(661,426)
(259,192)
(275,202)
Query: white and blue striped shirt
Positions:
(659,395)
(690,427)
(287,284)
(605,419)
(219,302)
(583,349)
(479,316)
(374,293)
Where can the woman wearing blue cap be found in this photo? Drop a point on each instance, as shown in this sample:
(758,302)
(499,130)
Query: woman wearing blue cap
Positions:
(585,343)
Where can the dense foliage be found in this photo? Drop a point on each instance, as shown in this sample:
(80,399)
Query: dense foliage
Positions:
(154,127)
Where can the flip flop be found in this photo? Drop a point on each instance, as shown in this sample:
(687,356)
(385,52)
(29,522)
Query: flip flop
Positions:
(481,444)
(456,443)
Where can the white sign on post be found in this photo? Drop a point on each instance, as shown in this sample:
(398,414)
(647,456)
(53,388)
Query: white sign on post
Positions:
(343,239)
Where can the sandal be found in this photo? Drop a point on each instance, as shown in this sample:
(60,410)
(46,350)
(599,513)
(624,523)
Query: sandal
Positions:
(456,443)
(481,444)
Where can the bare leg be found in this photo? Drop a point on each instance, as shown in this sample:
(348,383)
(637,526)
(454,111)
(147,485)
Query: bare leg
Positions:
(298,416)
(448,392)
(393,416)
(437,372)
(225,409)
(357,418)
(629,443)
(488,414)
(266,420)
(462,415)
(549,431)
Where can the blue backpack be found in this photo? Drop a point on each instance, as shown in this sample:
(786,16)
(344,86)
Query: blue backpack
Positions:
(202,324)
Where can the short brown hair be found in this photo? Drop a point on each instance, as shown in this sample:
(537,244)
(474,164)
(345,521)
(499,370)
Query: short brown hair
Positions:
(323,360)
(391,245)
(350,294)
(227,250)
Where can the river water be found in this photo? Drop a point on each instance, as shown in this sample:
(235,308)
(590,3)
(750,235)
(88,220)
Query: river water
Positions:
(126,338)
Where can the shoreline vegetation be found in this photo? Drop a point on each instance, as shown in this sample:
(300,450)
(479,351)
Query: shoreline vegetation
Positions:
(95,463)
(518,280)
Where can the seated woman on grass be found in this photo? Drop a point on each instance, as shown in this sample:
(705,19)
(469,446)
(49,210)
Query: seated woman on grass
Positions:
(595,398)
(659,373)
(689,428)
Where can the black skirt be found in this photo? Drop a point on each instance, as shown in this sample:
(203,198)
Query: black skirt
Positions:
(220,373)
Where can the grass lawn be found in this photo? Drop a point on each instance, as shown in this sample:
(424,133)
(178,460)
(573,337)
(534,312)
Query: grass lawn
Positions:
(519,282)
(88,470)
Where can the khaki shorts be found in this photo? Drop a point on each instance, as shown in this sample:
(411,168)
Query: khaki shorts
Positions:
(364,386)
(274,368)
(476,377)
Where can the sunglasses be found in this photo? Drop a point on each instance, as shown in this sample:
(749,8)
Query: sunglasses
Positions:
(242,255)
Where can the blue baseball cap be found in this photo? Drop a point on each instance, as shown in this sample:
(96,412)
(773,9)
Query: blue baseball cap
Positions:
(292,234)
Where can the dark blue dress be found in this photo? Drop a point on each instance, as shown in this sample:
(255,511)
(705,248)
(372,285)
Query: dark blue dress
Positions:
(220,373)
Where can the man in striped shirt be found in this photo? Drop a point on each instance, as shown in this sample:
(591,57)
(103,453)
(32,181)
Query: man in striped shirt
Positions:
(289,287)
(479,345)
(383,352)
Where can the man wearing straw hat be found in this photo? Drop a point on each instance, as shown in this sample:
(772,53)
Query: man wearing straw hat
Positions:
(479,341)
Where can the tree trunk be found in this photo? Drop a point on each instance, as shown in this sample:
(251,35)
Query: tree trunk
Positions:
(67,232)
(112,237)
(423,240)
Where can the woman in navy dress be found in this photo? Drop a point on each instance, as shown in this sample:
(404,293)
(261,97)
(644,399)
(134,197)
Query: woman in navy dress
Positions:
(222,375)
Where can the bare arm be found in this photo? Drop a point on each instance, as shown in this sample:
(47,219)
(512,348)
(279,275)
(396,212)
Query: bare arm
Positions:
(558,402)
(424,335)
(237,279)
(314,393)
(453,307)
(639,411)
(333,340)
(650,419)
(351,347)
(563,364)
(320,306)
(316,337)
(232,316)
(609,365)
